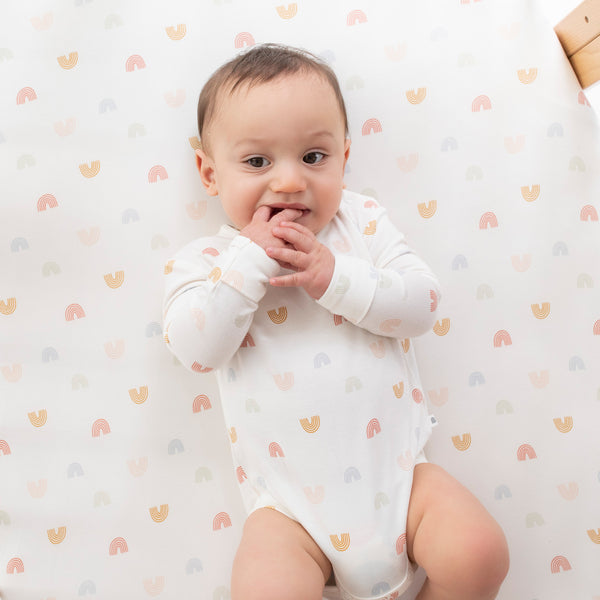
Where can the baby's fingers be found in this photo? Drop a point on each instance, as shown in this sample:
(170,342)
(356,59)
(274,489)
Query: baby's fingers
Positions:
(287,257)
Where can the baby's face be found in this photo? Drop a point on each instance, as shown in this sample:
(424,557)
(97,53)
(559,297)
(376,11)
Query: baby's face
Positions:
(280,144)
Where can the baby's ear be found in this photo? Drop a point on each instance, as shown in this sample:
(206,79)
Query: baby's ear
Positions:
(347,143)
(206,168)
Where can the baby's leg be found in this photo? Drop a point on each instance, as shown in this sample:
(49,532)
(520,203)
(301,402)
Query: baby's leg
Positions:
(277,559)
(452,536)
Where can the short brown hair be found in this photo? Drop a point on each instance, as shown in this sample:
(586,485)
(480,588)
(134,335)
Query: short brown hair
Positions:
(261,64)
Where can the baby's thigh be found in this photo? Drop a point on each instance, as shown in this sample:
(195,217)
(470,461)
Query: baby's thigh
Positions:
(450,533)
(277,559)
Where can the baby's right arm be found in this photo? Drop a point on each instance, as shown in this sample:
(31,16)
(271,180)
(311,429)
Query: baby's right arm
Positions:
(213,287)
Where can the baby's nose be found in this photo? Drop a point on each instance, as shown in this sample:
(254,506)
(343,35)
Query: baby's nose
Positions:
(288,179)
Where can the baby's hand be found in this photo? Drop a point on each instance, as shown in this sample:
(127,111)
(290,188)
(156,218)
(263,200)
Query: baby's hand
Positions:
(312,261)
(260,229)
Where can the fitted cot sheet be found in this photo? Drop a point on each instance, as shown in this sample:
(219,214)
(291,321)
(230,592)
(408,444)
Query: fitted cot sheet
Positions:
(115,474)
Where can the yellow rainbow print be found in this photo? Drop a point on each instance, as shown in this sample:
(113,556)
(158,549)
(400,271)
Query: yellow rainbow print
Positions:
(416,97)
(157,172)
(4,448)
(8,307)
(275,450)
(278,316)
(527,76)
(135,61)
(400,544)
(176,33)
(198,368)
(74,311)
(38,419)
(243,39)
(154,586)
(481,103)
(526,451)
(371,126)
(405,345)
(588,213)
(427,210)
(233,436)
(399,389)
(594,535)
(27,94)
(215,275)
(158,515)
(463,442)
(100,426)
(118,545)
(139,396)
(530,194)
(502,337)
(287,13)
(540,311)
(56,536)
(340,542)
(563,425)
(68,62)
(46,201)
(442,327)
(312,424)
(559,563)
(114,281)
(201,402)
(91,170)
(169,267)
(15,565)
(373,428)
(356,16)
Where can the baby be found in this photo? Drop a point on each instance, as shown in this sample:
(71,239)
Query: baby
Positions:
(303,306)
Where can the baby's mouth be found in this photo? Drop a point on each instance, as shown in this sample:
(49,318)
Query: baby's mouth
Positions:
(277,209)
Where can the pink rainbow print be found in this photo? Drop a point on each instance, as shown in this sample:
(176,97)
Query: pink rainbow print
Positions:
(589,213)
(221,521)
(400,544)
(481,103)
(118,545)
(201,402)
(373,428)
(135,61)
(4,448)
(15,565)
(74,311)
(157,172)
(526,451)
(417,396)
(241,475)
(434,300)
(243,39)
(275,450)
(198,368)
(26,94)
(356,16)
(46,201)
(371,125)
(502,337)
(100,426)
(596,328)
(559,563)
(488,219)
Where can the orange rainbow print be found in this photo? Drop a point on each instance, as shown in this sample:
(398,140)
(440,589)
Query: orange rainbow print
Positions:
(521,263)
(157,172)
(405,345)
(235,279)
(397,52)
(233,436)
(338,320)
(56,536)
(9,306)
(312,424)
(12,373)
(400,544)
(514,145)
(438,398)
(356,16)
(463,442)
(215,275)
(526,451)
(373,428)
(564,425)
(502,337)
(196,209)
(248,341)
(89,237)
(117,546)
(221,521)
(198,368)
(488,219)
(588,213)
(42,23)
(540,380)
(284,382)
(530,194)
(176,33)
(399,389)
(390,325)
(442,327)
(46,201)
(139,396)
(569,491)
(38,419)
(114,281)
(243,39)
(481,103)
(275,450)
(138,467)
(158,515)
(594,535)
(406,460)
(100,426)
(559,563)
(114,349)
(91,170)
(201,402)
(135,61)
(371,126)
(416,97)
(408,163)
(287,13)
(155,586)
(68,62)
(377,348)
(316,495)
(527,76)
(4,448)
(15,565)
(340,542)
(540,311)
(27,94)
(427,210)
(37,490)
(278,316)
(169,267)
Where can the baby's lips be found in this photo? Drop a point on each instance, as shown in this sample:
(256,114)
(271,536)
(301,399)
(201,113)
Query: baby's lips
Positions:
(289,214)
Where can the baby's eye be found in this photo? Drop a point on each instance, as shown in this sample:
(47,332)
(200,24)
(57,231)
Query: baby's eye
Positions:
(258,162)
(312,158)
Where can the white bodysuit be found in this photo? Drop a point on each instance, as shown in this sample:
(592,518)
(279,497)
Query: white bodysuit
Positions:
(325,410)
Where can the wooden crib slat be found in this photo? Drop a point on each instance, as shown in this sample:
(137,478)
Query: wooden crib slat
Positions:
(579,34)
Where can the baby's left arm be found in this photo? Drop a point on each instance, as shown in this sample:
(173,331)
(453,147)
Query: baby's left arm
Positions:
(394,294)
